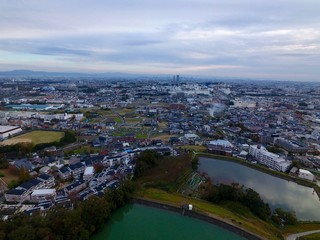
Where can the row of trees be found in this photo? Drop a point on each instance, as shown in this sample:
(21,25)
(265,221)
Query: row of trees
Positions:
(237,193)
(85,219)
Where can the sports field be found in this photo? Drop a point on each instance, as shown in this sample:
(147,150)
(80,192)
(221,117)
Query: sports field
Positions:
(35,137)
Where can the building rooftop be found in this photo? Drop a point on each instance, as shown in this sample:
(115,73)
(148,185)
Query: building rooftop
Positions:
(89,171)
(305,171)
(43,192)
(7,128)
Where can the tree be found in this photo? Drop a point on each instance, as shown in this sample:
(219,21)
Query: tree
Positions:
(195,163)
(24,175)
(4,164)
(145,161)
(13,184)
(98,167)
(25,232)
(281,217)
(296,163)
(94,213)
(14,170)
(252,200)
(274,149)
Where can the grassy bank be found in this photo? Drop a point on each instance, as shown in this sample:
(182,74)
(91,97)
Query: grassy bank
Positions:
(232,213)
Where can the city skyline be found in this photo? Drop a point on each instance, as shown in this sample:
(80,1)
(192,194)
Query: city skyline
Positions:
(245,39)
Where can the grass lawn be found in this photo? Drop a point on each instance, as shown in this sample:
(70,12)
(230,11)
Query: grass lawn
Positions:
(141,136)
(8,176)
(118,120)
(139,132)
(36,137)
(245,220)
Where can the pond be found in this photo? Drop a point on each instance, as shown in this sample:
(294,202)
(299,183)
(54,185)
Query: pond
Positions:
(275,191)
(136,221)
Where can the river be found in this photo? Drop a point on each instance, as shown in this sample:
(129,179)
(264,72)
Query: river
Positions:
(135,221)
(275,191)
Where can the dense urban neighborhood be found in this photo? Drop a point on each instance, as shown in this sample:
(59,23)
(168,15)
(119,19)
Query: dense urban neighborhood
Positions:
(68,139)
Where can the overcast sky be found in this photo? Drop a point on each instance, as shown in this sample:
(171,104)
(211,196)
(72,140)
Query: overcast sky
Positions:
(262,39)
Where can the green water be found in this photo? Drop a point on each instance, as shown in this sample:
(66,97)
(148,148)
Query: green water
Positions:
(138,222)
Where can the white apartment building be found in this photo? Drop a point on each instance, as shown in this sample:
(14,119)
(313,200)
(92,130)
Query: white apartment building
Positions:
(269,159)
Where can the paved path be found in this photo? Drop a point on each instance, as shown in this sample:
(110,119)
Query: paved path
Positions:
(295,236)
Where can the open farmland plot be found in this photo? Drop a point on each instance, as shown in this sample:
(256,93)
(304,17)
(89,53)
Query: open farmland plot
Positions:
(162,136)
(35,137)
(133,120)
(138,132)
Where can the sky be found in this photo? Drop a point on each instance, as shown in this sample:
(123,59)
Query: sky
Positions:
(256,39)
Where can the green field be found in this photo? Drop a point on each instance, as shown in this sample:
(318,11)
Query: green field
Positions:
(35,137)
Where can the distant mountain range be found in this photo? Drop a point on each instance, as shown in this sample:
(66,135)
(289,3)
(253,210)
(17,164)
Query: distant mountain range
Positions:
(129,76)
(110,75)
(29,73)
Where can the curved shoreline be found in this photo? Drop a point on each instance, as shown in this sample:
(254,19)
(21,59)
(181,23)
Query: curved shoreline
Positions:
(201,216)
(264,170)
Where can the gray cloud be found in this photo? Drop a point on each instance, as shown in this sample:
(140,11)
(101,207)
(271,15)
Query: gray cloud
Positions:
(231,38)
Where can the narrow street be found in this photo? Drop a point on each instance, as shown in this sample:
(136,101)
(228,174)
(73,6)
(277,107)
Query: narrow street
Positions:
(295,236)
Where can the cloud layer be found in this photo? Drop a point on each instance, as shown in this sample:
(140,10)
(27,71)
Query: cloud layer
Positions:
(255,39)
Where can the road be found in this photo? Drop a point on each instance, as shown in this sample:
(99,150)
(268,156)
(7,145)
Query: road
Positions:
(295,236)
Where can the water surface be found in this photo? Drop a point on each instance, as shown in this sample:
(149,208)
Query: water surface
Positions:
(276,191)
(139,222)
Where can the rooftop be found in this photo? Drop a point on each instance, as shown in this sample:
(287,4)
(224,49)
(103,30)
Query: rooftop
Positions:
(43,192)
(7,128)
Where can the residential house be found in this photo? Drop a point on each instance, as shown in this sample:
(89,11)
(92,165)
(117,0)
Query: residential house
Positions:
(75,187)
(64,173)
(222,147)
(48,180)
(43,194)
(16,195)
(77,169)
